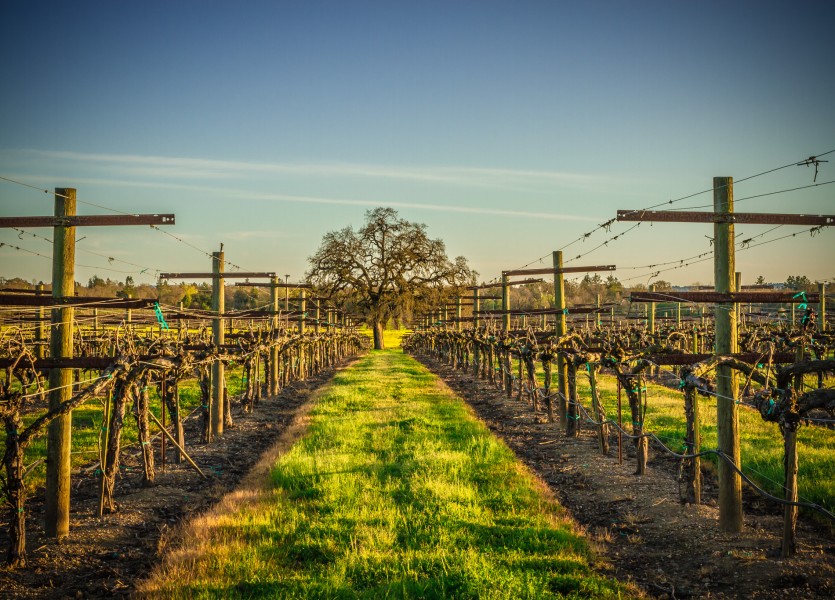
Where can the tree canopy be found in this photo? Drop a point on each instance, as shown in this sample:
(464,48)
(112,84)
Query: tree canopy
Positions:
(386,269)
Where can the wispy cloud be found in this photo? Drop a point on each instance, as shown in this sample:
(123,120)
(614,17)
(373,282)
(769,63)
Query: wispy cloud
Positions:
(187,168)
(244,194)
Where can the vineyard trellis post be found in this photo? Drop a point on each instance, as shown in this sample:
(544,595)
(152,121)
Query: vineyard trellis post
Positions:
(64,221)
(560,325)
(218,339)
(822,306)
(723,219)
(727,417)
(59,432)
(505,303)
(302,309)
(40,330)
(476,345)
(274,358)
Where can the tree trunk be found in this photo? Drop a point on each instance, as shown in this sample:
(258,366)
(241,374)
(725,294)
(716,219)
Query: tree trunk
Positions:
(379,343)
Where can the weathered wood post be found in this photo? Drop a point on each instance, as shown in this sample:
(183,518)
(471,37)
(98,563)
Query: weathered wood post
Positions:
(505,303)
(727,418)
(40,328)
(651,313)
(218,338)
(822,307)
(476,349)
(738,305)
(458,313)
(59,435)
(274,367)
(302,309)
(560,324)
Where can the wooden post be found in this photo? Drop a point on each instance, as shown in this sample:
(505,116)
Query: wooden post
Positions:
(458,313)
(40,328)
(651,310)
(274,349)
(505,303)
(317,315)
(822,307)
(727,418)
(302,309)
(219,336)
(597,314)
(559,322)
(678,314)
(738,305)
(59,435)
(476,349)
(789,544)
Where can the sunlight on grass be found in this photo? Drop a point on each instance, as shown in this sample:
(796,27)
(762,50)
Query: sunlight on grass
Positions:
(395,491)
(761,443)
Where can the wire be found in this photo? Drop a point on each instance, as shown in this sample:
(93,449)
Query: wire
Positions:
(117,211)
(7,245)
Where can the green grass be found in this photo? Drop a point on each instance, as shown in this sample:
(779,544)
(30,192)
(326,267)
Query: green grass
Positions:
(396,490)
(761,444)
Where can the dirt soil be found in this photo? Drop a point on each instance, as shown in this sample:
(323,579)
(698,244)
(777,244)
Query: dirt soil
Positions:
(644,533)
(105,557)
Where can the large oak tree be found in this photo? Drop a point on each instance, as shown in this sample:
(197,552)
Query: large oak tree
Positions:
(386,269)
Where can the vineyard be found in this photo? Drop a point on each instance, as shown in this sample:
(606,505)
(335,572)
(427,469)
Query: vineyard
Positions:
(112,400)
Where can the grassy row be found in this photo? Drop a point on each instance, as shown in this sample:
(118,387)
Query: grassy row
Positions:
(395,491)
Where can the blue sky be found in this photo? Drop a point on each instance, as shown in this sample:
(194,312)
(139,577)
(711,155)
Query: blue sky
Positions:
(508,128)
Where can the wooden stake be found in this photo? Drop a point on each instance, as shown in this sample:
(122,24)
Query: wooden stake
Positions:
(651,312)
(219,336)
(559,304)
(176,445)
(789,544)
(727,418)
(476,349)
(505,303)
(274,366)
(59,436)
(302,309)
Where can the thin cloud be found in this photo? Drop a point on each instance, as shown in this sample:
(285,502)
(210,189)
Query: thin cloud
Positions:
(183,167)
(240,194)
